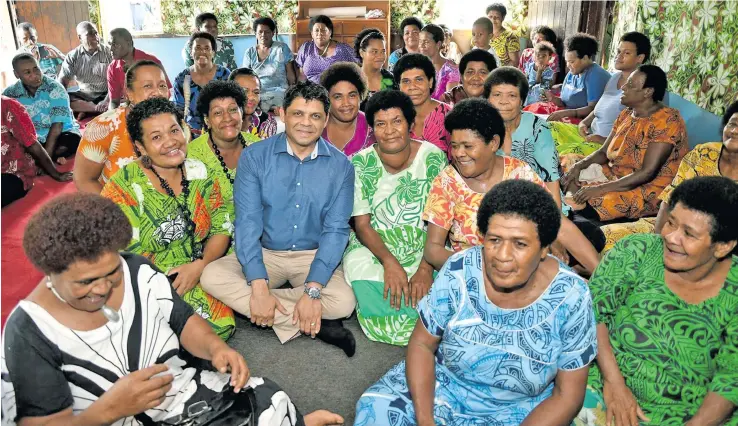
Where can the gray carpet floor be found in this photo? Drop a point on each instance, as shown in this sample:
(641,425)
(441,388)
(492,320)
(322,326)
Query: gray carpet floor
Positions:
(316,375)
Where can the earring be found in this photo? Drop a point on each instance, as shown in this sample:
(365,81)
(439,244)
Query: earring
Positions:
(146,161)
(49,285)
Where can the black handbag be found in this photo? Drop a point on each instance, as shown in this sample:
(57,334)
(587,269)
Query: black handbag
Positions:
(227,408)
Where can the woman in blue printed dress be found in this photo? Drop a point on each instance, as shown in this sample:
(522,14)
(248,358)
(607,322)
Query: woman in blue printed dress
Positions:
(506,333)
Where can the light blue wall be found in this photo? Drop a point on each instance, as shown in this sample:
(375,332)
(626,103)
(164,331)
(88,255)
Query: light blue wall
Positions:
(169,49)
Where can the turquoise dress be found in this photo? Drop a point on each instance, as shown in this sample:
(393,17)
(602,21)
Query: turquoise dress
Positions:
(493,365)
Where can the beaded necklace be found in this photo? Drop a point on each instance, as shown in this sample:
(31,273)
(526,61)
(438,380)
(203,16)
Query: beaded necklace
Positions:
(183,210)
(227,172)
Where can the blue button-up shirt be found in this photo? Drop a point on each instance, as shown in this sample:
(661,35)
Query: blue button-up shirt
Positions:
(284,203)
(49,105)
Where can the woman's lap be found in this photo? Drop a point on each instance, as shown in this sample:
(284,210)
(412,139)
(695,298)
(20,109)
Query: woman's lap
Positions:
(216,313)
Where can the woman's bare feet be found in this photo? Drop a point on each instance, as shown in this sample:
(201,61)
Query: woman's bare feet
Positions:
(322,418)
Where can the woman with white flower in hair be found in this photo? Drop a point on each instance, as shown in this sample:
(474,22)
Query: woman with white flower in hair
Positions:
(178,213)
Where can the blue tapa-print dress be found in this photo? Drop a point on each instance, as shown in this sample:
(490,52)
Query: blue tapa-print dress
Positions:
(493,365)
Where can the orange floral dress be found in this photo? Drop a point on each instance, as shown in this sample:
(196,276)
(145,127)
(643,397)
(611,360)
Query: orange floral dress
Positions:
(453,206)
(106,141)
(631,138)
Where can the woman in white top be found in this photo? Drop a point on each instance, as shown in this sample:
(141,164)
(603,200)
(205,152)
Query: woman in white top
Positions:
(104,339)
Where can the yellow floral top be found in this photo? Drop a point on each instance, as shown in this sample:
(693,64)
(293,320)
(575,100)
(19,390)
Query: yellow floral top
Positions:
(503,44)
(701,161)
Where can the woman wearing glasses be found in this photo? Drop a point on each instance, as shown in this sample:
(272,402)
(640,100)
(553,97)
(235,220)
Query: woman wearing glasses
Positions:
(322,51)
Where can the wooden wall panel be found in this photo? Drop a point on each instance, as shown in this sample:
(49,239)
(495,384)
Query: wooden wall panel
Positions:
(561,15)
(55,21)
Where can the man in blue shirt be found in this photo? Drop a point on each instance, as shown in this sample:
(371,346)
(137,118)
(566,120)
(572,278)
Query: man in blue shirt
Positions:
(47,103)
(294,195)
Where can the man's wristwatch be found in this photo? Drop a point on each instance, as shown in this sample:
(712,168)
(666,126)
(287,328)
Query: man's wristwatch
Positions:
(313,292)
(248,283)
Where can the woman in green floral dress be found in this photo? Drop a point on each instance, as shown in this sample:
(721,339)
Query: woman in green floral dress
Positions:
(179,217)
(666,311)
(220,146)
(384,259)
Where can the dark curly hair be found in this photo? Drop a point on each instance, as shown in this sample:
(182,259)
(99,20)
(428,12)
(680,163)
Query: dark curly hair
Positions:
(412,61)
(321,19)
(308,91)
(75,227)
(219,89)
(655,79)
(507,75)
(732,109)
(548,34)
(131,72)
(388,99)
(583,44)
(147,109)
(344,71)
(484,22)
(361,42)
(497,7)
(715,196)
(523,199)
(642,42)
(202,34)
(267,21)
(411,20)
(206,16)
(477,115)
(477,55)
(544,46)
(22,57)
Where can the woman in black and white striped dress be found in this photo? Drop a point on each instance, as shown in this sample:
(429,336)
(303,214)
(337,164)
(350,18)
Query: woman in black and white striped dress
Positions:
(100,340)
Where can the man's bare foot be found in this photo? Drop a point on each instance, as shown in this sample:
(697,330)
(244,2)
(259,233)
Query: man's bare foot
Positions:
(322,418)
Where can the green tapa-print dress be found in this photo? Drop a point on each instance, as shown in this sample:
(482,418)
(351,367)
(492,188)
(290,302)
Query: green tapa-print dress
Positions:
(159,228)
(396,203)
(671,353)
(199,149)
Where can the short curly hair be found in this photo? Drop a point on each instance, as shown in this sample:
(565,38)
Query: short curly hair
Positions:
(412,61)
(544,46)
(266,21)
(243,71)
(477,55)
(715,196)
(75,227)
(583,44)
(732,109)
(202,34)
(147,109)
(344,71)
(361,42)
(321,19)
(497,7)
(411,20)
(388,99)
(308,91)
(477,115)
(206,16)
(523,199)
(507,75)
(547,33)
(219,89)
(656,79)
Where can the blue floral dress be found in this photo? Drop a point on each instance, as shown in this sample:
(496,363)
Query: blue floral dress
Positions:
(493,365)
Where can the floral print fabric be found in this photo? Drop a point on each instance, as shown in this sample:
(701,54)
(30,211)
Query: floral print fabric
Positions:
(433,129)
(159,228)
(395,203)
(503,44)
(452,205)
(631,138)
(106,141)
(17,135)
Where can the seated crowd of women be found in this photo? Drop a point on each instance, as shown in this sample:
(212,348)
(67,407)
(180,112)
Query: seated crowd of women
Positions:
(474,219)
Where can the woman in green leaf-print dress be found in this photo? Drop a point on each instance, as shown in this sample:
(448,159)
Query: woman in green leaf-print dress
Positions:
(393,179)
(666,307)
